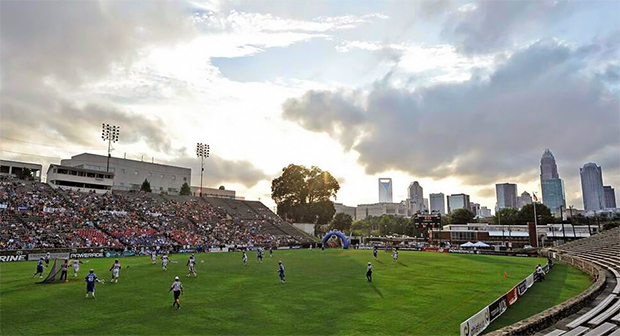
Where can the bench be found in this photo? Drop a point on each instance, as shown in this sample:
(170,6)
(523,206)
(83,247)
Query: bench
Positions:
(592,313)
(601,330)
(577,331)
(605,315)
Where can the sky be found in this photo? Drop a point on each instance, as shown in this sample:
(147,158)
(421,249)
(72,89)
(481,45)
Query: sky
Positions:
(458,95)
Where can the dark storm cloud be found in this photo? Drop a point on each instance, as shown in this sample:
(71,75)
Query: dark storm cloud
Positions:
(493,25)
(544,96)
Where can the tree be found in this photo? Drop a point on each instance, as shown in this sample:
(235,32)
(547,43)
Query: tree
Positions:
(461,216)
(507,216)
(342,222)
(185,189)
(526,214)
(146,186)
(304,194)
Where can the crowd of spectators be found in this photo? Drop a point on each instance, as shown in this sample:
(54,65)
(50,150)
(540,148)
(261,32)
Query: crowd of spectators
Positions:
(33,215)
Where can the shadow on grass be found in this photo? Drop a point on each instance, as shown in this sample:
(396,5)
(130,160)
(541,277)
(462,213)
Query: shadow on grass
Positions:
(376,290)
(403,264)
(379,261)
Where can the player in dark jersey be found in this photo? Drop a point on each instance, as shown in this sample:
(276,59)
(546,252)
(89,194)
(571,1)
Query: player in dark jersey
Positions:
(39,268)
(245,259)
(374,253)
(259,255)
(177,288)
(281,271)
(91,278)
(270,251)
(369,272)
(63,270)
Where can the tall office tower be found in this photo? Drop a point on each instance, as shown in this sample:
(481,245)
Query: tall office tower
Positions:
(458,201)
(592,187)
(415,195)
(437,203)
(426,206)
(506,195)
(385,190)
(524,199)
(551,184)
(610,197)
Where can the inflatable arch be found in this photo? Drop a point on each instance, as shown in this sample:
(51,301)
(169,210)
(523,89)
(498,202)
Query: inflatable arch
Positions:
(343,238)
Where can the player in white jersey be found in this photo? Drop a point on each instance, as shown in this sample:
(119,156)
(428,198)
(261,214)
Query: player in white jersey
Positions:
(116,270)
(395,255)
(192,266)
(153,257)
(76,266)
(245,259)
(177,288)
(164,262)
(369,272)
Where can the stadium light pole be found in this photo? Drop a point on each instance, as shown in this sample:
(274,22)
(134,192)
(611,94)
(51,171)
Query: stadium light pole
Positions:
(110,134)
(202,151)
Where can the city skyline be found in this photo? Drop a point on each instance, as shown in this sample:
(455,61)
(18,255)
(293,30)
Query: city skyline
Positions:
(396,89)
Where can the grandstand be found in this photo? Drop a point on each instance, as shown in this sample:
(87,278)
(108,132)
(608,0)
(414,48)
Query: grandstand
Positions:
(38,216)
(601,316)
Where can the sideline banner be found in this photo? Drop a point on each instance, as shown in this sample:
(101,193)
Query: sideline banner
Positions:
(512,296)
(476,324)
(10,258)
(36,256)
(87,255)
(530,280)
(522,287)
(498,307)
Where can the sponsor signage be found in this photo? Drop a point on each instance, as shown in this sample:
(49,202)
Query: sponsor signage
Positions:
(498,307)
(3,206)
(284,247)
(10,258)
(36,256)
(477,323)
(512,296)
(87,255)
(187,251)
(522,287)
(296,247)
(53,210)
(529,280)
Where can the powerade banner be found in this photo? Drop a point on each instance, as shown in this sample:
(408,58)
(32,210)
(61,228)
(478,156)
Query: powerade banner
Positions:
(512,296)
(530,280)
(498,307)
(37,256)
(522,287)
(474,325)
(87,255)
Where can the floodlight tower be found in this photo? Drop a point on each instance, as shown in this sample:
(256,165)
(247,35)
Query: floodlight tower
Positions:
(202,151)
(110,134)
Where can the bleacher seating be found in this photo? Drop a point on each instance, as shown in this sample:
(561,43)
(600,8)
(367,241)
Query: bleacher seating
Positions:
(603,317)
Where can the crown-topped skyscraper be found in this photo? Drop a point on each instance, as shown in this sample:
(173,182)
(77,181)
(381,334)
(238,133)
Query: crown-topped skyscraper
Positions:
(551,184)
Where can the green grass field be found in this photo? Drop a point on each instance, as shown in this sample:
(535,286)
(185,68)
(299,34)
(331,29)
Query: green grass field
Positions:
(325,293)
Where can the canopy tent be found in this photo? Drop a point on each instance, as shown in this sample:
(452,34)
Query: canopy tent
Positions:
(480,244)
(468,244)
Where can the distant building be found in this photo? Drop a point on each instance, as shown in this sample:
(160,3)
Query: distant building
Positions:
(220,192)
(592,187)
(385,190)
(426,206)
(79,179)
(524,199)
(610,197)
(15,168)
(485,212)
(475,208)
(415,197)
(379,209)
(349,210)
(506,195)
(438,203)
(551,184)
(129,174)
(458,201)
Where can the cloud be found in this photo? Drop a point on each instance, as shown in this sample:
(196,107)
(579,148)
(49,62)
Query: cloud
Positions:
(481,131)
(486,26)
(221,171)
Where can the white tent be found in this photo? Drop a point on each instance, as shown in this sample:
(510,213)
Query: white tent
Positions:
(480,244)
(468,244)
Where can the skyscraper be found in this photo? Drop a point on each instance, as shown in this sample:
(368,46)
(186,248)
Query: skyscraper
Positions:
(506,195)
(610,197)
(458,201)
(592,187)
(551,183)
(437,203)
(415,194)
(385,190)
(524,199)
